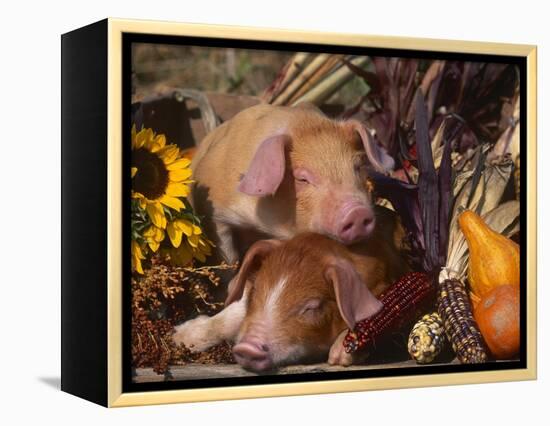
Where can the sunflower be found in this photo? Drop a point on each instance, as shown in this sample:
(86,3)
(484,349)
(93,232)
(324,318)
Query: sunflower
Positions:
(160,177)
(153,236)
(202,248)
(137,257)
(195,245)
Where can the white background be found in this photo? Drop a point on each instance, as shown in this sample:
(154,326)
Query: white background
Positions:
(30,211)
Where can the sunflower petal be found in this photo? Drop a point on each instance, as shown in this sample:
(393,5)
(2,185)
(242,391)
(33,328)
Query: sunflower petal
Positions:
(177,190)
(152,233)
(181,163)
(153,245)
(181,256)
(193,241)
(149,143)
(205,247)
(137,255)
(168,154)
(199,256)
(159,236)
(197,230)
(202,253)
(158,143)
(136,250)
(134,171)
(185,226)
(143,136)
(179,175)
(136,263)
(149,232)
(156,213)
(175,234)
(172,202)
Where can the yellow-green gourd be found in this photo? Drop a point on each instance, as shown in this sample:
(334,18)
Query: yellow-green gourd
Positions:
(494,259)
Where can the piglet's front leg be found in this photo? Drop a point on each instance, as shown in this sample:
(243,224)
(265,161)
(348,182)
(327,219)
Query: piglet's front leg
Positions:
(338,356)
(203,332)
(225,242)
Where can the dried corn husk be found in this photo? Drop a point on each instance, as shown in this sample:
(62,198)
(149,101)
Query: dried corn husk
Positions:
(289,72)
(331,84)
(306,74)
(508,142)
(429,86)
(333,62)
(437,147)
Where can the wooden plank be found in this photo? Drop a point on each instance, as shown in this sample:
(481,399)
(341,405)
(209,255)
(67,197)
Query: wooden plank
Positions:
(215,371)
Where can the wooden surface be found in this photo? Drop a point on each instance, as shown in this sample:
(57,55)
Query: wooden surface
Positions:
(214,371)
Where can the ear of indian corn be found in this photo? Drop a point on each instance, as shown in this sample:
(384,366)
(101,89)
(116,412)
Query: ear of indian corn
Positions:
(460,327)
(427,339)
(401,302)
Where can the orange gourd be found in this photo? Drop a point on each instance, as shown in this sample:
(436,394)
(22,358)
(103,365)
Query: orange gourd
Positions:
(494,259)
(497,316)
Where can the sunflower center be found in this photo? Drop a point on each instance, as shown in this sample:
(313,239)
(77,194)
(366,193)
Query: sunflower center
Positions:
(151,178)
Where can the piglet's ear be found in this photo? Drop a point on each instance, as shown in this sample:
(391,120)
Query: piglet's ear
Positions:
(250,264)
(376,154)
(267,169)
(355,301)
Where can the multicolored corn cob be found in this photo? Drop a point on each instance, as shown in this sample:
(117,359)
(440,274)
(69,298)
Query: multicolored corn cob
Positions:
(427,338)
(400,302)
(453,306)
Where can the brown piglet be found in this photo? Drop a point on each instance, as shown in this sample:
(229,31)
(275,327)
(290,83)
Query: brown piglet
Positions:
(274,172)
(293,301)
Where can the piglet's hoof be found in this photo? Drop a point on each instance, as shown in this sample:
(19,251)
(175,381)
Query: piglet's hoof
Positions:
(337,354)
(195,334)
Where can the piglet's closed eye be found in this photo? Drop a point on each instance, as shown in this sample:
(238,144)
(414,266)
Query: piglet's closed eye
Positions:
(355,301)
(267,169)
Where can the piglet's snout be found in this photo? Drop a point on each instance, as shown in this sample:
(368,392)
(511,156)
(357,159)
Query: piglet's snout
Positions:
(253,355)
(356,223)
